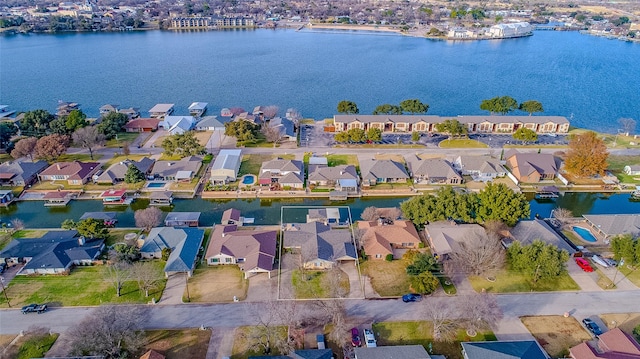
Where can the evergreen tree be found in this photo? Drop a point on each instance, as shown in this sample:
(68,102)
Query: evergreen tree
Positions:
(133,175)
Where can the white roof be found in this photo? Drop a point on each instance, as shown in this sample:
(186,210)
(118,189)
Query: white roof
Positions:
(162,107)
(183,174)
(198,106)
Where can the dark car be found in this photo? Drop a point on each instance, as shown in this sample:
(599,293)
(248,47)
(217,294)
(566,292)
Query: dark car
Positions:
(34,308)
(592,326)
(355,338)
(411,297)
(3,266)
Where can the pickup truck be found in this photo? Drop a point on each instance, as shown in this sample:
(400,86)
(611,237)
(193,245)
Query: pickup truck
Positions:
(34,308)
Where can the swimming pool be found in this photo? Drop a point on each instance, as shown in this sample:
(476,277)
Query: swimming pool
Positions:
(584,233)
(156,184)
(248,179)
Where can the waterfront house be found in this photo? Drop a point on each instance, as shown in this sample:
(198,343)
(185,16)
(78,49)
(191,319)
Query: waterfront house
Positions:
(432,171)
(382,236)
(253,251)
(108,108)
(20,173)
(285,128)
(527,231)
(232,216)
(632,170)
(611,225)
(392,351)
(142,125)
(342,177)
(319,245)
(161,110)
(6,197)
(177,124)
(520,349)
(184,244)
(281,173)
(75,173)
(131,112)
(161,198)
(532,167)
(480,168)
(197,109)
(53,253)
(326,215)
(182,170)
(226,166)
(444,238)
(115,196)
(382,171)
(210,123)
(182,219)
(117,171)
(612,344)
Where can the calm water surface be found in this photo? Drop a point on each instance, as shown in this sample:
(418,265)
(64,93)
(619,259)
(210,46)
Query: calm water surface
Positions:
(594,79)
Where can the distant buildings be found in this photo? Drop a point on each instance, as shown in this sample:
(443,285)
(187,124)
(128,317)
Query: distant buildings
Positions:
(517,29)
(207,22)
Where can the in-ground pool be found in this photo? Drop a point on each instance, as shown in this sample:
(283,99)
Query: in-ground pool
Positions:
(156,184)
(584,233)
(248,179)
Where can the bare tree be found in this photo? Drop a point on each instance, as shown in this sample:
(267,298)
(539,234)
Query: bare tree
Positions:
(495,227)
(271,317)
(480,311)
(270,111)
(370,214)
(444,317)
(112,331)
(392,213)
(88,137)
(628,125)
(562,214)
(148,218)
(271,134)
(334,312)
(17,224)
(477,255)
(117,274)
(334,278)
(295,116)
(25,147)
(147,276)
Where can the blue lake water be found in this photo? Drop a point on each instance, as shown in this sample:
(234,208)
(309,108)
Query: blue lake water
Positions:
(592,80)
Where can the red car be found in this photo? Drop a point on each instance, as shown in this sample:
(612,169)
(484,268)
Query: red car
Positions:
(355,338)
(584,264)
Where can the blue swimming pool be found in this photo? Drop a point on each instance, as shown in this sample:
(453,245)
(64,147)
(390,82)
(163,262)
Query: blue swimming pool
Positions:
(248,179)
(584,234)
(156,184)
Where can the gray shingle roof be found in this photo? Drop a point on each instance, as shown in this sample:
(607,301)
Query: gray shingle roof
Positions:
(119,170)
(432,167)
(322,173)
(528,231)
(525,349)
(319,239)
(615,224)
(23,171)
(392,352)
(105,216)
(373,169)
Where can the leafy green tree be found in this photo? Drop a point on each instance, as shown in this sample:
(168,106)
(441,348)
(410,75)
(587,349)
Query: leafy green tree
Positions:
(415,136)
(626,248)
(452,127)
(92,228)
(374,134)
(342,137)
(36,123)
(75,120)
(182,144)
(422,262)
(69,224)
(446,204)
(501,105)
(357,135)
(166,252)
(133,175)
(58,126)
(7,130)
(587,155)
(525,135)
(531,107)
(414,106)
(125,252)
(242,130)
(425,283)
(538,260)
(499,202)
(387,109)
(348,107)
(112,123)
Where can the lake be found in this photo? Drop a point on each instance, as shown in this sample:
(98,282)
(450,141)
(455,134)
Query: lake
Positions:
(591,80)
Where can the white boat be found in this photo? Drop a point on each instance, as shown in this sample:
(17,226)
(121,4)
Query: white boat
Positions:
(600,261)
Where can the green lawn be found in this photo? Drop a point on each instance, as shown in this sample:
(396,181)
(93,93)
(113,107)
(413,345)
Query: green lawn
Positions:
(116,159)
(508,281)
(632,274)
(36,346)
(337,160)
(122,138)
(178,344)
(316,284)
(4,157)
(251,163)
(617,163)
(462,143)
(5,238)
(117,235)
(82,157)
(29,233)
(420,333)
(84,286)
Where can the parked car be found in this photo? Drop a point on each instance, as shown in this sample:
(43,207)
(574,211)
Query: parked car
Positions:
(320,340)
(598,260)
(369,338)
(592,326)
(411,297)
(34,308)
(584,264)
(355,338)
(611,262)
(3,266)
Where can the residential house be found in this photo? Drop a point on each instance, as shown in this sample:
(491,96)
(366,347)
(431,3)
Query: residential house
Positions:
(381,237)
(253,251)
(285,128)
(432,171)
(527,231)
(532,167)
(161,110)
(519,349)
(53,253)
(20,173)
(445,238)
(210,123)
(197,109)
(342,177)
(226,166)
(632,170)
(184,244)
(108,108)
(75,173)
(161,198)
(152,354)
(480,168)
(176,125)
(183,170)
(392,352)
(320,246)
(182,219)
(131,112)
(109,218)
(232,216)
(282,173)
(382,171)
(612,344)
(612,225)
(328,215)
(142,125)
(117,171)
(6,197)
(300,354)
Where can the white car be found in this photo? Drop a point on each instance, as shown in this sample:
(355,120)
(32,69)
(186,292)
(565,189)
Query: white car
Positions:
(600,261)
(369,338)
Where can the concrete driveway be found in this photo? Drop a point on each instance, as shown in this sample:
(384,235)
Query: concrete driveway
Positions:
(262,288)
(156,135)
(287,265)
(586,281)
(173,291)
(355,282)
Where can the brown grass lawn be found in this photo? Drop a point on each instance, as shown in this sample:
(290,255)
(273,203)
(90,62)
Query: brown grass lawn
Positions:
(387,156)
(217,284)
(5,339)
(387,278)
(625,321)
(242,343)
(178,344)
(203,137)
(556,333)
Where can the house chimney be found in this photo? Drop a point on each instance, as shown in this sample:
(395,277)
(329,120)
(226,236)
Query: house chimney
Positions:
(341,173)
(81,240)
(58,166)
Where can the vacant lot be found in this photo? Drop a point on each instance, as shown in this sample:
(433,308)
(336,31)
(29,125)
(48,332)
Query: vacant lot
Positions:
(388,279)
(178,344)
(34,344)
(252,163)
(317,284)
(122,138)
(508,281)
(556,333)
(246,337)
(625,321)
(217,284)
(461,143)
(337,160)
